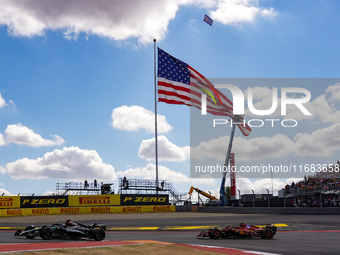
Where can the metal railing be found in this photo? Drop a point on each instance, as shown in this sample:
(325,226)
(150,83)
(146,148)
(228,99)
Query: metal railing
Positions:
(78,188)
(129,186)
(175,194)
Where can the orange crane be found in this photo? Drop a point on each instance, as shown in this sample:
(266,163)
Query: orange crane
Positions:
(202,193)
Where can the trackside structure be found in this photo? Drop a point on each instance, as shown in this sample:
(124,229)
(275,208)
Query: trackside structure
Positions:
(143,186)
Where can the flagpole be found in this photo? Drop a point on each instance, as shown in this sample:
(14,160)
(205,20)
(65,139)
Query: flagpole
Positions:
(156,133)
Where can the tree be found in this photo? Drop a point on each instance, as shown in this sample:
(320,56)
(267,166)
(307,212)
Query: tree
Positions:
(228,192)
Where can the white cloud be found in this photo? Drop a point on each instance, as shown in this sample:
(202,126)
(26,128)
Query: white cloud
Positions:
(334,92)
(70,164)
(21,135)
(116,19)
(149,172)
(49,193)
(261,148)
(320,107)
(262,99)
(5,192)
(320,143)
(2,102)
(261,186)
(2,140)
(258,148)
(233,12)
(259,93)
(245,186)
(134,118)
(293,179)
(167,151)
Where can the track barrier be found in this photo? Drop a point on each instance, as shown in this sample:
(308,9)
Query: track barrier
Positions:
(84,204)
(86,210)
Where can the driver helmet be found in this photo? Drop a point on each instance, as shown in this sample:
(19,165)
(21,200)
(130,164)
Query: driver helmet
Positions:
(70,223)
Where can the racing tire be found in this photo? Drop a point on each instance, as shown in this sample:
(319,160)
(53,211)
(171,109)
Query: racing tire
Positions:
(98,234)
(268,234)
(46,233)
(216,234)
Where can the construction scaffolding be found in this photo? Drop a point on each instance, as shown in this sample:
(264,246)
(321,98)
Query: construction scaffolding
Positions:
(83,188)
(142,186)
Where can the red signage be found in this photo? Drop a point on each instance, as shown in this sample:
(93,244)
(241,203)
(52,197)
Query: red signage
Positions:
(161,208)
(69,210)
(100,209)
(14,212)
(94,200)
(40,211)
(132,209)
(6,202)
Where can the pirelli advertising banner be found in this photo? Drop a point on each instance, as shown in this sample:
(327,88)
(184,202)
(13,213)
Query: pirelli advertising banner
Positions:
(146,199)
(9,202)
(87,210)
(94,200)
(43,201)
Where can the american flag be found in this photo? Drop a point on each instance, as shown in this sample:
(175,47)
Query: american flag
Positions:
(179,83)
(208,20)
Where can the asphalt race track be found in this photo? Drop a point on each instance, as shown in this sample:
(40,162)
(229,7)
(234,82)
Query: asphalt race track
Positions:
(305,234)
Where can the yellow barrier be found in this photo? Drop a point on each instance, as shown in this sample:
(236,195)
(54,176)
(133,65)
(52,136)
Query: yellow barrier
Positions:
(25,202)
(87,210)
(94,200)
(10,202)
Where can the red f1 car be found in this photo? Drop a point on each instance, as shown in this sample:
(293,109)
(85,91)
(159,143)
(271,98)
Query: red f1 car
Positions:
(243,230)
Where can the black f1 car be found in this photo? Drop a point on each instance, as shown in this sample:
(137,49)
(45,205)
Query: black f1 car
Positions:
(243,230)
(69,230)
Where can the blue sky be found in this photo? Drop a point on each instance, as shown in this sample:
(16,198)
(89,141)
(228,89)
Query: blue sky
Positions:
(77,91)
